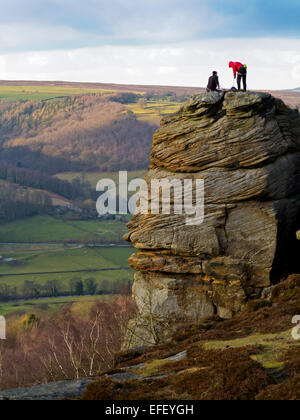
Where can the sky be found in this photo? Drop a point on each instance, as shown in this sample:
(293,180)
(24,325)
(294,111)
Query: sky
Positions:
(159,42)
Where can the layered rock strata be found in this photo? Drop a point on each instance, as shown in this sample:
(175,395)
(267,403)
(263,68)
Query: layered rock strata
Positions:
(246,149)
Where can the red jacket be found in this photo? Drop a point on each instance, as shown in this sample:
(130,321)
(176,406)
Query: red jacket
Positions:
(235,67)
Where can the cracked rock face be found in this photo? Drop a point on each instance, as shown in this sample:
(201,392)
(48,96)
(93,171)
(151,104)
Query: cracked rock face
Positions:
(246,149)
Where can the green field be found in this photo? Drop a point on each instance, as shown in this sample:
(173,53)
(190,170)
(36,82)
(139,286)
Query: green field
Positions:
(153,110)
(63,259)
(50,229)
(37,259)
(94,177)
(57,258)
(50,304)
(43,93)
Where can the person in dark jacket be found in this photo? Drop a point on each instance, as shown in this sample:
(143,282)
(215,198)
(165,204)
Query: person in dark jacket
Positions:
(213,83)
(239,70)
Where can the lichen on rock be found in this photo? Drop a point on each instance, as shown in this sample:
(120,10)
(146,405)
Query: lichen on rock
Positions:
(246,149)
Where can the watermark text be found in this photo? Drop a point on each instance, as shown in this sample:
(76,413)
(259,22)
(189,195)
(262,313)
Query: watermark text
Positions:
(158,196)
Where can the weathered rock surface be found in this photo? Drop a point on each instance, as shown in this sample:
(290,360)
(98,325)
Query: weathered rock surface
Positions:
(246,148)
(48,392)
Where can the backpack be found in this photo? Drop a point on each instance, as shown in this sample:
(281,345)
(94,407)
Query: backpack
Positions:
(242,71)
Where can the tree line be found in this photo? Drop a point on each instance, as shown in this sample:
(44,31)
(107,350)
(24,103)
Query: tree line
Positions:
(53,288)
(38,180)
(16,203)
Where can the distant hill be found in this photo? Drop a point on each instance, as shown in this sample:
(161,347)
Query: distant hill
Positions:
(63,87)
(82,132)
(291,98)
(49,128)
(59,127)
(157,90)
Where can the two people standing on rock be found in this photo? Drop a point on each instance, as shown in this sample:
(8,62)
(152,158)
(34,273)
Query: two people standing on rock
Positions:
(239,72)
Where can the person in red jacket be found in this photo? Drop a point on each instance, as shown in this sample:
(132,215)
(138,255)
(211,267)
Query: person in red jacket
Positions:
(240,70)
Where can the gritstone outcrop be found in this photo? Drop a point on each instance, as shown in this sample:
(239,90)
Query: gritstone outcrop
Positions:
(246,148)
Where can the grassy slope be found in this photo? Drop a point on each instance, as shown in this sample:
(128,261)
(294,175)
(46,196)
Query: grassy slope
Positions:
(49,304)
(57,260)
(42,93)
(50,229)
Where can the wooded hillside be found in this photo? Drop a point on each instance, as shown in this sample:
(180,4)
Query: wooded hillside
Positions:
(85,132)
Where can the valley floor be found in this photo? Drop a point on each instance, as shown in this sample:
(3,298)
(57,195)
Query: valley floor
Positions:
(43,256)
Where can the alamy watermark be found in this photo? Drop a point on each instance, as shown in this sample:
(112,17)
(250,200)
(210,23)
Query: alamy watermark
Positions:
(161,196)
(296,330)
(2,328)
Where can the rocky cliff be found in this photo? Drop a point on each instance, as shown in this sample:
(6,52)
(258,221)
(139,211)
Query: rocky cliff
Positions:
(246,149)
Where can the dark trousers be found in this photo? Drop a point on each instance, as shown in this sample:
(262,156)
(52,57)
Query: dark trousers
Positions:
(239,79)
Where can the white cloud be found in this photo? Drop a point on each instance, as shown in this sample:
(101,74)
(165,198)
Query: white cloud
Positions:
(27,25)
(166,70)
(273,63)
(26,35)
